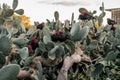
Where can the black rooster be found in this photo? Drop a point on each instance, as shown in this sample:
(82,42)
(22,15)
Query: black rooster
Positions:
(59,36)
(85,16)
(63,37)
(112,23)
(54,38)
(40,26)
(33,44)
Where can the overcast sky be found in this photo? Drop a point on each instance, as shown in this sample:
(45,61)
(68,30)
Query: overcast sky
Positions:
(40,10)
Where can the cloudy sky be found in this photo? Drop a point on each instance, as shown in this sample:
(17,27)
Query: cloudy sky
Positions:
(40,10)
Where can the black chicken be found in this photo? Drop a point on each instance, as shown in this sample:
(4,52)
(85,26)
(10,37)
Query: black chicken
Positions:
(59,36)
(63,37)
(85,16)
(54,38)
(33,44)
(40,26)
(112,23)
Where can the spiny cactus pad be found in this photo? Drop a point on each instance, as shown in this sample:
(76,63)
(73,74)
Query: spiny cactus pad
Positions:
(15,4)
(2,59)
(56,15)
(40,71)
(9,72)
(8,13)
(20,11)
(5,45)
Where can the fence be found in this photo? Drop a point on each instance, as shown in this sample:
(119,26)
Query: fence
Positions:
(115,14)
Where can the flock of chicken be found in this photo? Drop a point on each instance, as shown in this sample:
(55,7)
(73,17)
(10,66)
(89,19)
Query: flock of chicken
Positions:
(60,36)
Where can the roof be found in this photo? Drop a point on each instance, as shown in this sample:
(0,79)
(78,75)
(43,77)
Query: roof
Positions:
(113,9)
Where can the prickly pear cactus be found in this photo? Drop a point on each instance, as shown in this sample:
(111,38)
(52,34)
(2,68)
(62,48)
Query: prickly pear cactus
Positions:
(40,71)
(2,60)
(58,24)
(94,12)
(2,21)
(14,4)
(20,11)
(28,61)
(56,15)
(98,45)
(102,8)
(9,72)
(72,19)
(5,47)
(5,6)
(8,13)
(102,15)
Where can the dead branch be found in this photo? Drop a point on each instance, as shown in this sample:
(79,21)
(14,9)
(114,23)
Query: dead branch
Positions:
(68,62)
(25,74)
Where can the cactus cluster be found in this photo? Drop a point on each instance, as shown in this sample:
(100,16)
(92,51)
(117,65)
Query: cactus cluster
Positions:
(102,15)
(44,47)
(6,11)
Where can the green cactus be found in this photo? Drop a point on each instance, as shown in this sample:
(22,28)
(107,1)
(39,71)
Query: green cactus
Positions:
(46,32)
(102,37)
(20,41)
(16,22)
(0,6)
(72,19)
(57,51)
(70,45)
(42,47)
(5,6)
(1,11)
(102,15)
(46,39)
(100,18)
(52,54)
(111,56)
(20,11)
(50,45)
(2,59)
(14,4)
(60,52)
(24,53)
(58,24)
(40,70)
(56,15)
(2,21)
(28,61)
(102,7)
(9,72)
(94,12)
(8,13)
(74,31)
(97,70)
(100,21)
(82,33)
(5,45)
